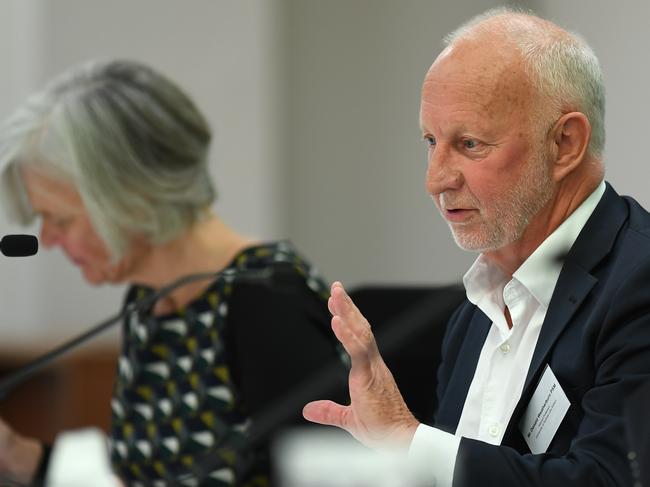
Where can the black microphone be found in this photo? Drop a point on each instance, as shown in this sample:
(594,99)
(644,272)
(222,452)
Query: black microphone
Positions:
(18,245)
(281,276)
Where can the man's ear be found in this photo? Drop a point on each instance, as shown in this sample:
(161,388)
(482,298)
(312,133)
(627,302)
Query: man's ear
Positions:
(570,136)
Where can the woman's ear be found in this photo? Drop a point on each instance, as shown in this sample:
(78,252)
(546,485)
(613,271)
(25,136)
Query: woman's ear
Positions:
(570,136)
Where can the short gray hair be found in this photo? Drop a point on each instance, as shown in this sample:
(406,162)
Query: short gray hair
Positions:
(132,143)
(562,67)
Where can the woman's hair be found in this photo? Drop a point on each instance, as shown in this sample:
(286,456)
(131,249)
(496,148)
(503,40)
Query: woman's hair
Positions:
(131,142)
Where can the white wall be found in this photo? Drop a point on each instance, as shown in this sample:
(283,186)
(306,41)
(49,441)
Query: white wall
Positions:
(358,201)
(21,54)
(225,53)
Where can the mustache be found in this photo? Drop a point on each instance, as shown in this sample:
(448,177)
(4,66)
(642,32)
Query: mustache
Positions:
(449,200)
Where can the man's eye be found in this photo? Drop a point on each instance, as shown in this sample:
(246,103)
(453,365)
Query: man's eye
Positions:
(470,143)
(430,140)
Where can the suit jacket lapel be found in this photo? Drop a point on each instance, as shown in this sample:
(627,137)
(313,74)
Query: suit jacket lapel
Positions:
(572,288)
(452,403)
(574,284)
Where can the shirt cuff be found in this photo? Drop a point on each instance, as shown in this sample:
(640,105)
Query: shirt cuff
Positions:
(435,451)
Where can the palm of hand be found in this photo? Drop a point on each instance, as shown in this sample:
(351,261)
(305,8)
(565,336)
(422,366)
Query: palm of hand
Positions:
(377,415)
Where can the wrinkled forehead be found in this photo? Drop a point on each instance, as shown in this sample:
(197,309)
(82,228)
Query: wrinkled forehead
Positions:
(486,73)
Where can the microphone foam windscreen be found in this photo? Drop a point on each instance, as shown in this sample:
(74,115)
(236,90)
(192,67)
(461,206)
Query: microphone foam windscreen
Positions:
(19,245)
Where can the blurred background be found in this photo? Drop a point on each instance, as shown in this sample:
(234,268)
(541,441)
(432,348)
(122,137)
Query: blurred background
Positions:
(314,105)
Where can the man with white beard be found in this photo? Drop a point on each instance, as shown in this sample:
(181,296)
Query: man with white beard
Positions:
(556,326)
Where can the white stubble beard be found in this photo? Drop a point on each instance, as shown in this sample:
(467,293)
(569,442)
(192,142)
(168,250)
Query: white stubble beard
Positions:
(511,213)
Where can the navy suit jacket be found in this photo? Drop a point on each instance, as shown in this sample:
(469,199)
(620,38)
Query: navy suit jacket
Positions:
(596,339)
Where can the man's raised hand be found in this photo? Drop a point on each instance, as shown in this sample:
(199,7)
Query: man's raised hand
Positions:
(377,415)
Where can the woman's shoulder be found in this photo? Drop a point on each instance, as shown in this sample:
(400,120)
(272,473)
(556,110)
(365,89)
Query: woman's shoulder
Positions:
(267,253)
(282,257)
(266,261)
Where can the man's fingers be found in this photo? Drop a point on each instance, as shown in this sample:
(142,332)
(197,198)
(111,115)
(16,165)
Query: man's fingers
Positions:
(325,412)
(355,347)
(345,307)
(350,326)
(331,305)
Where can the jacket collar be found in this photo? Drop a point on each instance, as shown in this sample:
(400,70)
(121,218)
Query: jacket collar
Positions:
(576,279)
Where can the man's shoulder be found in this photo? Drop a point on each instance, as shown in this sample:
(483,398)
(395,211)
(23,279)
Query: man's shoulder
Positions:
(632,244)
(639,218)
(617,231)
(614,252)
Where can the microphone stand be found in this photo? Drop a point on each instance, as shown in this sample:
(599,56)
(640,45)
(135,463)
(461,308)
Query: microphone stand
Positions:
(8,383)
(281,275)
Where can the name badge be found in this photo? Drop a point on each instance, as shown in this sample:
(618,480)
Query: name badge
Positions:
(544,413)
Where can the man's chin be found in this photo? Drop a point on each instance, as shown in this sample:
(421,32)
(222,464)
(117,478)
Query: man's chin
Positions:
(473,242)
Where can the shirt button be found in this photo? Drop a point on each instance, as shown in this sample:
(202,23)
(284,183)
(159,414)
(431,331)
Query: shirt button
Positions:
(494,430)
(505,348)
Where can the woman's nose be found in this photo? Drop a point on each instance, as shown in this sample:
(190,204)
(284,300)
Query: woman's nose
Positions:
(49,236)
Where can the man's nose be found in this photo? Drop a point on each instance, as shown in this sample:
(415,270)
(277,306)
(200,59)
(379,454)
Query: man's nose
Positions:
(442,172)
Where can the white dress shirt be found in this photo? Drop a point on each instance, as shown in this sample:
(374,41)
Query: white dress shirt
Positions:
(507,352)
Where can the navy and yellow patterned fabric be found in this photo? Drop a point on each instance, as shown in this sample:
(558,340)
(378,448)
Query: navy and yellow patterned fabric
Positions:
(175,399)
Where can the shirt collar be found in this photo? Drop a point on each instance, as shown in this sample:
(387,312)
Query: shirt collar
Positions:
(540,271)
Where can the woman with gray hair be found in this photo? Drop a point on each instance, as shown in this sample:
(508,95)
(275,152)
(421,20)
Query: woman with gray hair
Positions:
(114,159)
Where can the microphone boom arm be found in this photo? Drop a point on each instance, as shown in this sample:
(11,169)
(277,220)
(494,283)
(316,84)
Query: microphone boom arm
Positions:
(8,383)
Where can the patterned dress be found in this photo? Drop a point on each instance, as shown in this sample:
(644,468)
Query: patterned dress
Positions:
(175,400)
